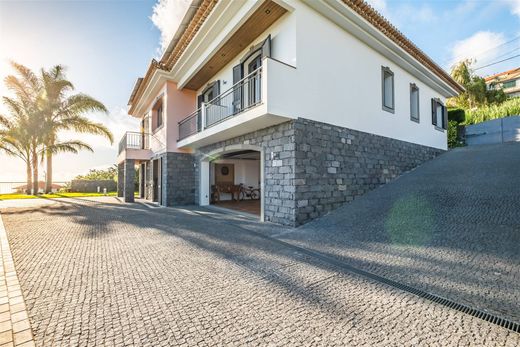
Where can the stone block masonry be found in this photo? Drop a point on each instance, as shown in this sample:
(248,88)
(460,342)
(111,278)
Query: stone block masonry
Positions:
(179,175)
(334,165)
(312,168)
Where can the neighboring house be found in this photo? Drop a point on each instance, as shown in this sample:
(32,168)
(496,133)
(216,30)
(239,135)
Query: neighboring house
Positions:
(508,81)
(312,102)
(41,187)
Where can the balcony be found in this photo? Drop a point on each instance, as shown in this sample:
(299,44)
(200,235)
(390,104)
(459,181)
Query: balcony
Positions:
(134,145)
(243,108)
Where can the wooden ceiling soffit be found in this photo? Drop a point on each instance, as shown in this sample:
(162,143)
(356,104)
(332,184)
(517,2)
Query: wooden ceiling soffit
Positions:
(268,13)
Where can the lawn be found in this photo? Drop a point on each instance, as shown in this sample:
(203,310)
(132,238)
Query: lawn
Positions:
(52,196)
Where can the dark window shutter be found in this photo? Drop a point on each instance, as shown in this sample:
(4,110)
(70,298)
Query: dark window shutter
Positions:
(237,89)
(444,117)
(216,88)
(266,47)
(434,112)
(200,100)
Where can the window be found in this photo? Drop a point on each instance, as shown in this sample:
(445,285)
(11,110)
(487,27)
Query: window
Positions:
(509,84)
(414,102)
(387,82)
(157,115)
(439,114)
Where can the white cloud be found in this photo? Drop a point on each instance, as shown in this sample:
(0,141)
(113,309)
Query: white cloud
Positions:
(515,7)
(167,16)
(480,47)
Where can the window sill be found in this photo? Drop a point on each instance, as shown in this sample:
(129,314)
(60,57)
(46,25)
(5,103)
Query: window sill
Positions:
(389,110)
(439,129)
(416,120)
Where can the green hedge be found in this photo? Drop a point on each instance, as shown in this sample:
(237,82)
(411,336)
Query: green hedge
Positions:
(508,108)
(457,115)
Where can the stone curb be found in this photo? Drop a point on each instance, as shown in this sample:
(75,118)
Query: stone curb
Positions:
(15,327)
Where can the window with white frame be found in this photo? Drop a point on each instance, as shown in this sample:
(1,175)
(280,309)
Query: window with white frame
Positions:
(387,82)
(414,102)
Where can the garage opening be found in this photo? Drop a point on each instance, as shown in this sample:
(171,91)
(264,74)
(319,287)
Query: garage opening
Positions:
(235,181)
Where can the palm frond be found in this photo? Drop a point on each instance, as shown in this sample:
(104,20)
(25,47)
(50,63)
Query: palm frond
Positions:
(73,146)
(84,125)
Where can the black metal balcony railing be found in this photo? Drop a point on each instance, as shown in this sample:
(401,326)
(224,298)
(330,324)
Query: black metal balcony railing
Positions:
(242,96)
(134,140)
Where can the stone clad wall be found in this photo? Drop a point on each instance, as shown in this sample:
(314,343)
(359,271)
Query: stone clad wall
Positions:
(334,165)
(179,175)
(90,186)
(310,167)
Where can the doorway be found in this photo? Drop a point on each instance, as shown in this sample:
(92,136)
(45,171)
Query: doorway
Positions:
(232,178)
(157,180)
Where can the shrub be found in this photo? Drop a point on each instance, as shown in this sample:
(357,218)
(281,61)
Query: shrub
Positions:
(457,115)
(508,108)
(453,140)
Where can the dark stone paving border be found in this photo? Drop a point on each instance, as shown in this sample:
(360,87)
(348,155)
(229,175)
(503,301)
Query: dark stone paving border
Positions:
(15,328)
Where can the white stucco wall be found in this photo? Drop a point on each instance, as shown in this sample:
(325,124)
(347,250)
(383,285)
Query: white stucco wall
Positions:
(283,48)
(336,79)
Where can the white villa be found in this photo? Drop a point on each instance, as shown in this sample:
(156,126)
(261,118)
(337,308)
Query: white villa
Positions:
(283,108)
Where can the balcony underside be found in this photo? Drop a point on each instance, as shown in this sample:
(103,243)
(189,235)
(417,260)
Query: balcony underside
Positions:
(252,120)
(264,16)
(136,154)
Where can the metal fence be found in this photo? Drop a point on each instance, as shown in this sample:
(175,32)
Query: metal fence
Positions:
(242,96)
(134,140)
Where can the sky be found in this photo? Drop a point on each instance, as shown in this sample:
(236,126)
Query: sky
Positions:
(106,45)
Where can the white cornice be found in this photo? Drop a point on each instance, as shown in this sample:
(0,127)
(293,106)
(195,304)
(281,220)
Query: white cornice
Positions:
(159,77)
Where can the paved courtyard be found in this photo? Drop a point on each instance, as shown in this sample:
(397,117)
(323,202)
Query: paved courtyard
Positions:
(110,274)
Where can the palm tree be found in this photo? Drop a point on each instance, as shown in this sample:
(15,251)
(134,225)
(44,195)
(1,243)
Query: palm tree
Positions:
(48,108)
(15,141)
(62,111)
(20,134)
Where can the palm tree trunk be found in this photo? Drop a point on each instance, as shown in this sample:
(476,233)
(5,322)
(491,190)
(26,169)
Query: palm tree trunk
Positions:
(35,171)
(48,182)
(29,178)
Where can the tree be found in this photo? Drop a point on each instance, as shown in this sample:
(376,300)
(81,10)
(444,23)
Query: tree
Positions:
(476,93)
(21,131)
(15,140)
(41,108)
(93,174)
(62,111)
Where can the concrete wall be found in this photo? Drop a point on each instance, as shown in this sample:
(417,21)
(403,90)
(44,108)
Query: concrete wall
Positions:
(494,131)
(90,186)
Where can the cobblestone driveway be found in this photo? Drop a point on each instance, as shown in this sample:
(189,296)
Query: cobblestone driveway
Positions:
(95,273)
(451,227)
